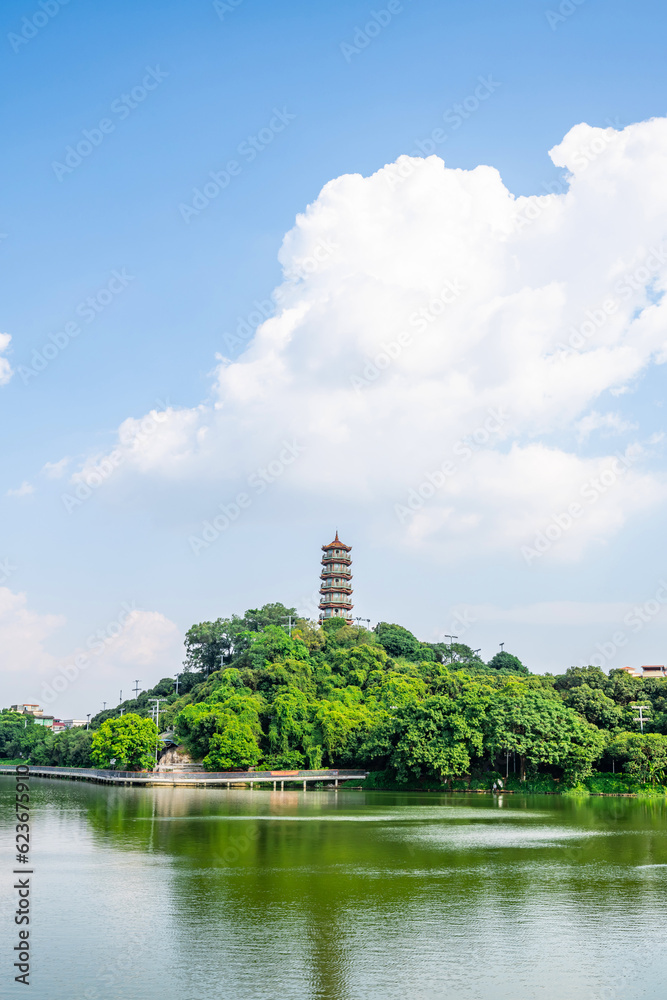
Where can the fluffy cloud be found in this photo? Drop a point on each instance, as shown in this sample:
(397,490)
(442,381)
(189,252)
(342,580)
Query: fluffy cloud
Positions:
(5,368)
(102,663)
(22,635)
(24,490)
(435,346)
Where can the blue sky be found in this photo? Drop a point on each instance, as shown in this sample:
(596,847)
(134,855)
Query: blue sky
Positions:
(220,76)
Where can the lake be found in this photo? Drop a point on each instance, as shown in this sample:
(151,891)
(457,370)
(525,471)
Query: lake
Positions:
(191,894)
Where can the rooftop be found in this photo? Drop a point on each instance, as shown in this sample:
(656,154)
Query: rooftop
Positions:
(337,544)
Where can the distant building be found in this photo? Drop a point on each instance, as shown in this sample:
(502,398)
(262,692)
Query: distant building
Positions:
(27,709)
(336,589)
(653,671)
(646,673)
(73,723)
(58,726)
(45,720)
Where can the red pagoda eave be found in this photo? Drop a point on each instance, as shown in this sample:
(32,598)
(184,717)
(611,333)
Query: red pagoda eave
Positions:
(337,544)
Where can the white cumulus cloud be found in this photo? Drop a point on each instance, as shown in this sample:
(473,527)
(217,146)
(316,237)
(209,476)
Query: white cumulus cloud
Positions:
(95,669)
(435,341)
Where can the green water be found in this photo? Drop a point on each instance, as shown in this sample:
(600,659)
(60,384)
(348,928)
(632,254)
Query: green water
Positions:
(191,894)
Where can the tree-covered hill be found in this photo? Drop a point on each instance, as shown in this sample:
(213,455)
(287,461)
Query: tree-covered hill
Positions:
(269,690)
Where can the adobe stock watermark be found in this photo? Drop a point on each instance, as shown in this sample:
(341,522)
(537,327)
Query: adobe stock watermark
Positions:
(564,11)
(464,449)
(559,524)
(454,117)
(636,619)
(265,309)
(109,974)
(376,24)
(33,24)
(122,107)
(309,607)
(89,481)
(224,7)
(625,287)
(88,310)
(535,204)
(96,643)
(249,149)
(462,621)
(258,482)
(419,320)
(6,569)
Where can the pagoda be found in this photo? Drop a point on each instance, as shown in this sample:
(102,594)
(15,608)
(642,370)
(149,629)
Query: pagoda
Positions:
(336,589)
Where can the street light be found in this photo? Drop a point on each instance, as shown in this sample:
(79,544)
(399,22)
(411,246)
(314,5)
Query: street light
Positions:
(157,721)
(88,722)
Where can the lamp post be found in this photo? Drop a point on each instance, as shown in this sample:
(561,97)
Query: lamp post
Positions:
(88,722)
(157,722)
(450,637)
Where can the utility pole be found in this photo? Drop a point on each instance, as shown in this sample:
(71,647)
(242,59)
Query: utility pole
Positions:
(104,706)
(121,697)
(157,721)
(450,637)
(640,718)
(289,623)
(177,676)
(364,620)
(88,722)
(136,689)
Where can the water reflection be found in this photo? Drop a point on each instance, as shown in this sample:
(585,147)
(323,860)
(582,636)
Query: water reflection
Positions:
(337,895)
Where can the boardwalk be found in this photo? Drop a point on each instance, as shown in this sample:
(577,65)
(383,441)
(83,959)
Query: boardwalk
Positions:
(216,779)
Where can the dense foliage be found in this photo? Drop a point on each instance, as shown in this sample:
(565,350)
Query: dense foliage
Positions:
(125,744)
(257,692)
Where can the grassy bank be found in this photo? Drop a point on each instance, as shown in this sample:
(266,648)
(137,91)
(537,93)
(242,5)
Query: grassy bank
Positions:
(596,784)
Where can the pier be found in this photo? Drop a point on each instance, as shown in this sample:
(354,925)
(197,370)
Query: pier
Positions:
(189,778)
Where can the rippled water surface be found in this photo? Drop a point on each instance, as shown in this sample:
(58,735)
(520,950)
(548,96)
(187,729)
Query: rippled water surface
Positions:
(191,894)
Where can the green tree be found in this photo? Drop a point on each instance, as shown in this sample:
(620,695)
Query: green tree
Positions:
(507,661)
(442,735)
(595,706)
(129,739)
(534,723)
(234,747)
(398,641)
(644,754)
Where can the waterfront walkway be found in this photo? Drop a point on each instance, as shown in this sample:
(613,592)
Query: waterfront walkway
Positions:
(216,779)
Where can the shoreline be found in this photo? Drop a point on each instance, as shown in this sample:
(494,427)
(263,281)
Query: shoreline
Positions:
(335,779)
